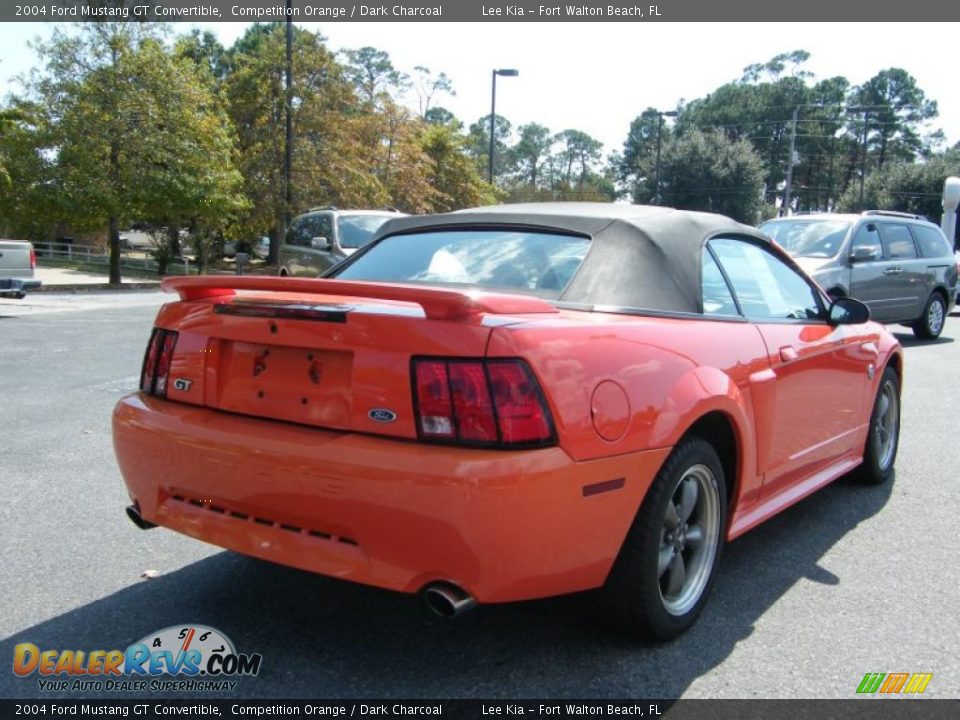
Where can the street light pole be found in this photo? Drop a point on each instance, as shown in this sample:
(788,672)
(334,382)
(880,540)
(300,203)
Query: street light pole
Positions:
(508,72)
(660,116)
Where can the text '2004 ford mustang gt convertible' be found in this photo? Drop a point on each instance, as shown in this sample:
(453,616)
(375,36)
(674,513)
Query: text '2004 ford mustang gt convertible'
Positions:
(509,403)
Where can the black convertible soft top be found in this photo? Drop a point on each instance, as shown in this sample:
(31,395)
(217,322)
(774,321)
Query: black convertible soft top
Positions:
(640,256)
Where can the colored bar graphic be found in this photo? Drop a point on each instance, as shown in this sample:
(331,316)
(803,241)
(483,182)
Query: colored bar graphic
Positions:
(894,683)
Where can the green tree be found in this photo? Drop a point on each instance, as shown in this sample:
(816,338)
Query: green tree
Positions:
(705,170)
(635,168)
(428,85)
(30,204)
(580,152)
(895,108)
(478,145)
(330,164)
(454,177)
(372,73)
(134,130)
(907,187)
(441,116)
(531,152)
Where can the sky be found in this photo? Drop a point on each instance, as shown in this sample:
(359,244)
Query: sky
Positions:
(597,77)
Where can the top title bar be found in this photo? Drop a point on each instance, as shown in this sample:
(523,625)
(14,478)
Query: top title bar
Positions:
(474,11)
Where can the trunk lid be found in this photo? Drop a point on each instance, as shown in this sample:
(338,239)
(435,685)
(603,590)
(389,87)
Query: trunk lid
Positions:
(325,353)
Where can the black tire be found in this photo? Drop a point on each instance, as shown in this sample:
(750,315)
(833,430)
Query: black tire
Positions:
(637,596)
(878,456)
(929,325)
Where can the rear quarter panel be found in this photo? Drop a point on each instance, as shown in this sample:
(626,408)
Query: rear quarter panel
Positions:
(671,371)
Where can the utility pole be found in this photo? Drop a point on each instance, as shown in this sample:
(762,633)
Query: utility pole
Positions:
(863,159)
(659,131)
(288,145)
(865,109)
(785,207)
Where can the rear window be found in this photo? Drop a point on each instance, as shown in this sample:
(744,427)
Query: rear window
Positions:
(808,238)
(932,242)
(515,260)
(356,230)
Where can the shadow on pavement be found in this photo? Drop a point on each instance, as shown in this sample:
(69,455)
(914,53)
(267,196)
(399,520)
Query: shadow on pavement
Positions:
(909,340)
(323,638)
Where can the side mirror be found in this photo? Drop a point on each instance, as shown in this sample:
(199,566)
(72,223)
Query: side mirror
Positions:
(848,311)
(864,254)
(320,243)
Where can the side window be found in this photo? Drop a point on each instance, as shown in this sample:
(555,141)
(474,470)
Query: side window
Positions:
(932,242)
(897,241)
(765,286)
(717,299)
(302,231)
(866,243)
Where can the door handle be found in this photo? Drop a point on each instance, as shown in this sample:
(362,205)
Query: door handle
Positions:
(892,271)
(788,353)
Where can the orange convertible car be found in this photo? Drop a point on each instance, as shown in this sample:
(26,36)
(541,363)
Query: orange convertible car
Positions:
(509,403)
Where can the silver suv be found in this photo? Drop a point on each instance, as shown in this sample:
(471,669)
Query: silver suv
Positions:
(900,265)
(322,237)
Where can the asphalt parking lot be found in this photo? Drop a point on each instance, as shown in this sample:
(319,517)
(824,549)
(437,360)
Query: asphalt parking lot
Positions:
(852,580)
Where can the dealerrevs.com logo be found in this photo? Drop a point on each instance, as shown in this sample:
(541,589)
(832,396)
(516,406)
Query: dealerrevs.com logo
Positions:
(181,657)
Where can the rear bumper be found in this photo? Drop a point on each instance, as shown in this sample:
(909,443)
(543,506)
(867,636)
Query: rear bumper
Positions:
(16,285)
(394,514)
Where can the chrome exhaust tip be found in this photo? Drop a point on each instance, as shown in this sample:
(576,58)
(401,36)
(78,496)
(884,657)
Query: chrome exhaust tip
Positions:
(447,600)
(133,512)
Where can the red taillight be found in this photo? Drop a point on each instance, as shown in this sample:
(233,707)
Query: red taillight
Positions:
(33,258)
(520,408)
(156,363)
(472,406)
(480,402)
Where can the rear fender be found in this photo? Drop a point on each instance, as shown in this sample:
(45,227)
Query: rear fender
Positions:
(697,393)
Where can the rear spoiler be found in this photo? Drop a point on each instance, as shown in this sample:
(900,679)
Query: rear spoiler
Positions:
(437,303)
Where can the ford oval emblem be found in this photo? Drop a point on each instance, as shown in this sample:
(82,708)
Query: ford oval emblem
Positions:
(382,415)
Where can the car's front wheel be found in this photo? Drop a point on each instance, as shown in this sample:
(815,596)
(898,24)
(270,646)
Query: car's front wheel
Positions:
(929,325)
(661,578)
(883,439)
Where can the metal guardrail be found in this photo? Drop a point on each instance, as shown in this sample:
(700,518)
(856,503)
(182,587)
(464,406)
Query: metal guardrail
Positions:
(85,253)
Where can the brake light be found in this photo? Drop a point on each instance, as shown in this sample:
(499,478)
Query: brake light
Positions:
(520,408)
(480,402)
(156,362)
(33,258)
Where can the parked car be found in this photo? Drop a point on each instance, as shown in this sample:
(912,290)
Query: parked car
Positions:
(322,237)
(900,265)
(18,261)
(456,411)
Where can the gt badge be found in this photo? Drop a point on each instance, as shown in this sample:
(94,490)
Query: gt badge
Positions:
(382,415)
(182,384)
